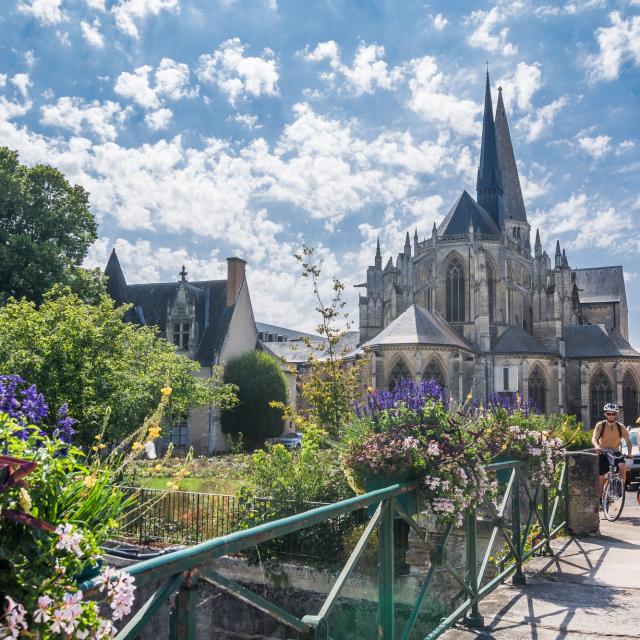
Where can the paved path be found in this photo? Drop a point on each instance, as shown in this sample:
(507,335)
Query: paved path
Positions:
(590,590)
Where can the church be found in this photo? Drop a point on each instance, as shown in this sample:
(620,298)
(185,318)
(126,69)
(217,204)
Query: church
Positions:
(476,307)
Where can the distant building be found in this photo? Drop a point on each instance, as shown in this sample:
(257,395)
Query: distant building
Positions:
(473,307)
(209,321)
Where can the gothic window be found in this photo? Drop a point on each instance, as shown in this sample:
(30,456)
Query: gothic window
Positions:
(180,434)
(433,371)
(455,292)
(491,290)
(181,331)
(538,390)
(601,393)
(399,372)
(630,399)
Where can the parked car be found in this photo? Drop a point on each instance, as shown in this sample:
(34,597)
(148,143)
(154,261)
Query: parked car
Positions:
(633,466)
(291,440)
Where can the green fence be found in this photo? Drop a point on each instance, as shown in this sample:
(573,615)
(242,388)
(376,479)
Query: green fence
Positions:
(523,509)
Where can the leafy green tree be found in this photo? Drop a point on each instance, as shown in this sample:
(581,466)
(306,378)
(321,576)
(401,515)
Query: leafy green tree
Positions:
(85,355)
(260,383)
(46,228)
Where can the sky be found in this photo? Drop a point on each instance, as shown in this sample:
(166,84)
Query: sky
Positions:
(204,129)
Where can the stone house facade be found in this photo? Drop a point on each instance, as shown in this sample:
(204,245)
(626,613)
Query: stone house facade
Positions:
(474,307)
(209,321)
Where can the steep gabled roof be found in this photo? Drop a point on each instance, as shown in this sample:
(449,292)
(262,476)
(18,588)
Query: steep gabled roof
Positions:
(116,283)
(600,284)
(593,341)
(416,325)
(464,212)
(513,200)
(516,340)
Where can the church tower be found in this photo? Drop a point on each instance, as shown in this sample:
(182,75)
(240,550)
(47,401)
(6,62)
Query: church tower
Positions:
(489,187)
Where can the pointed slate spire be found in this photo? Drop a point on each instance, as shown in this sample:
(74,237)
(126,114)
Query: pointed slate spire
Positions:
(565,262)
(489,185)
(378,261)
(558,255)
(513,200)
(407,245)
(538,245)
(116,285)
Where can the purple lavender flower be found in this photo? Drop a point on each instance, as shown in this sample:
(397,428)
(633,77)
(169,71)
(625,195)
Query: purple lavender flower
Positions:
(65,424)
(511,403)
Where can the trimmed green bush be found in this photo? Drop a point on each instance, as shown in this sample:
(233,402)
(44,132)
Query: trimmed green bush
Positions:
(260,382)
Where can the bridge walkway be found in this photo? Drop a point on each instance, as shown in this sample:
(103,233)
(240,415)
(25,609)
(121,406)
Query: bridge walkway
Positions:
(589,590)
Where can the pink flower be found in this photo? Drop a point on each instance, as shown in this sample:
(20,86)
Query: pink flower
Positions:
(15,618)
(69,539)
(42,613)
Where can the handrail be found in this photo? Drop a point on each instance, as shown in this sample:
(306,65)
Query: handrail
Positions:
(181,570)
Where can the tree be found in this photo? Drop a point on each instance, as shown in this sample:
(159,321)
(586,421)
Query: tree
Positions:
(87,356)
(260,382)
(46,228)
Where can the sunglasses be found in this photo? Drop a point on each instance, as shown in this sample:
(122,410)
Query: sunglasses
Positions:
(610,413)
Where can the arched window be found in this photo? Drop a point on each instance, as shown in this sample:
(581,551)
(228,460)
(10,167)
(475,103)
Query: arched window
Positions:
(399,372)
(538,389)
(630,399)
(601,393)
(491,291)
(433,371)
(455,292)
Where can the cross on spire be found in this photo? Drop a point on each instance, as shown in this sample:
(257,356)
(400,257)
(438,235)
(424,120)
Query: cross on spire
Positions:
(183,274)
(487,63)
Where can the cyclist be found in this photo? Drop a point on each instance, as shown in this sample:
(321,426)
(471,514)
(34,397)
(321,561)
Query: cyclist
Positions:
(608,434)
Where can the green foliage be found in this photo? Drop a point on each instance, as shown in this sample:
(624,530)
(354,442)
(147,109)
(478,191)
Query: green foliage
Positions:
(260,382)
(86,356)
(46,228)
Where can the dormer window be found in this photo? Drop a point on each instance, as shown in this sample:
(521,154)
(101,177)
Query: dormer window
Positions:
(181,332)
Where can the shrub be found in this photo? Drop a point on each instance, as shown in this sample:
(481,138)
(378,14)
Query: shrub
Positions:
(260,383)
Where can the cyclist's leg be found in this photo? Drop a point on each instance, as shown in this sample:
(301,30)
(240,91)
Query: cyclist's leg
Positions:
(622,470)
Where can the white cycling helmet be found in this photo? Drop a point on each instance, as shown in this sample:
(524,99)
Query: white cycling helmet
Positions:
(611,406)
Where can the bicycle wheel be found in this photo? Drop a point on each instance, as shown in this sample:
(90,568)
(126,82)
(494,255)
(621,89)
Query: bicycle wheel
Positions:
(613,498)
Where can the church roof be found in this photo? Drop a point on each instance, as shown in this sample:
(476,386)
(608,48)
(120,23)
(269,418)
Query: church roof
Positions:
(513,200)
(416,325)
(464,212)
(593,341)
(116,284)
(516,340)
(600,284)
(289,334)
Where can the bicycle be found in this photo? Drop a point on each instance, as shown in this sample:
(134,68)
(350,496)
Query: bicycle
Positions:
(613,492)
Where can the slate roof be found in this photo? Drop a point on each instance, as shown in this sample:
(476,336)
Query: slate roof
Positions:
(600,284)
(296,352)
(516,340)
(416,325)
(513,200)
(593,341)
(460,216)
(290,334)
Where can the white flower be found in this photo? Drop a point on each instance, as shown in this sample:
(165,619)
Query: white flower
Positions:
(69,539)
(15,618)
(433,449)
(120,589)
(42,613)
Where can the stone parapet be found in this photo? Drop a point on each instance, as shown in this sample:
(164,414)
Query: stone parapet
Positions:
(583,516)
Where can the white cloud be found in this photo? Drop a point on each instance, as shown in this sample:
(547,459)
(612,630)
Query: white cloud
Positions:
(76,115)
(520,87)
(440,22)
(237,75)
(430,98)
(171,82)
(596,146)
(625,145)
(533,189)
(534,125)
(157,120)
(96,5)
(22,83)
(129,13)
(618,44)
(368,72)
(91,33)
(29,57)
(487,34)
(45,11)
(247,120)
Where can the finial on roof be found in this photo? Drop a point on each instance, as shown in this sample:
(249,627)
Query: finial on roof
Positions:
(183,274)
(415,233)
(378,258)
(558,252)
(499,89)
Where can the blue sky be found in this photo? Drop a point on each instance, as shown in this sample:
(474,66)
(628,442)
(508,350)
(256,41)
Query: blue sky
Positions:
(204,129)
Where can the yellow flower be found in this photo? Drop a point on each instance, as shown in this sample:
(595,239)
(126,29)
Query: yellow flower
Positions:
(154,432)
(469,397)
(158,467)
(166,391)
(24,500)
(99,436)
(90,481)
(137,446)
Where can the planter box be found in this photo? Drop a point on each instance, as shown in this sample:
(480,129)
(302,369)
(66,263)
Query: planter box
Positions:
(408,501)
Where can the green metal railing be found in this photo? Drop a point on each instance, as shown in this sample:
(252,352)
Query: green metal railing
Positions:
(179,573)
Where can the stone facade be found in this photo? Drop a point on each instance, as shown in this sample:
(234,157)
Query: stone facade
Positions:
(473,306)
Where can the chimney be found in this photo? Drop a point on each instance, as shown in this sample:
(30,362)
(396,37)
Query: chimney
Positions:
(235,279)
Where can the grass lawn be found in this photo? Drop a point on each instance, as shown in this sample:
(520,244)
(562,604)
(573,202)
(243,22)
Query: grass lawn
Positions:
(203,485)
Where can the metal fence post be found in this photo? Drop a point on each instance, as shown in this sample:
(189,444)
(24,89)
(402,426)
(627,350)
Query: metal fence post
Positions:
(546,516)
(183,612)
(518,576)
(473,618)
(385,574)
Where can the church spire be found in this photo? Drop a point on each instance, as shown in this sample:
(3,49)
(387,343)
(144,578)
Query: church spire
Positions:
(513,200)
(489,185)
(407,245)
(378,261)
(116,284)
(538,245)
